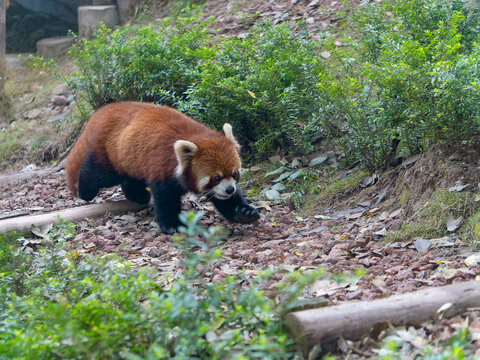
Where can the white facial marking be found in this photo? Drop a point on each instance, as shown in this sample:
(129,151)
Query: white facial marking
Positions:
(202,183)
(220,190)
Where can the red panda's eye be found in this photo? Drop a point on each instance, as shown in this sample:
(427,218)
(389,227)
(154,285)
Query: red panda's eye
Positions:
(217,179)
(235,174)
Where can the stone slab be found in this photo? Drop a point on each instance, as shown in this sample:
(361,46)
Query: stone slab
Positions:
(90,17)
(125,9)
(53,47)
(14,63)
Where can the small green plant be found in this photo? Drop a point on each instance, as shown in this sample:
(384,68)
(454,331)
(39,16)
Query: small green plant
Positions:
(14,266)
(312,190)
(77,306)
(430,221)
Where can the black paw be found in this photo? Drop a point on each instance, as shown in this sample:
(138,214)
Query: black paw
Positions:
(169,227)
(87,194)
(169,230)
(245,214)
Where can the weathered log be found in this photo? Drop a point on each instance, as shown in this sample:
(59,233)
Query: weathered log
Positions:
(24,224)
(353,320)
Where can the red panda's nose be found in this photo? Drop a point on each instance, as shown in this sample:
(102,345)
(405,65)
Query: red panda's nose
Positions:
(230,190)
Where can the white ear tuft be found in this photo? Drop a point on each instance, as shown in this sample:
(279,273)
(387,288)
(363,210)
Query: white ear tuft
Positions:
(227,130)
(184,151)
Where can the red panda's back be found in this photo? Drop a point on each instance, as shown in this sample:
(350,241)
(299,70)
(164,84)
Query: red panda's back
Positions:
(143,148)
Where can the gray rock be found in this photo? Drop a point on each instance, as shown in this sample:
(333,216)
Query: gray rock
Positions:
(60,100)
(318,160)
(125,7)
(53,47)
(273,195)
(279,187)
(421,244)
(90,17)
(33,114)
(153,252)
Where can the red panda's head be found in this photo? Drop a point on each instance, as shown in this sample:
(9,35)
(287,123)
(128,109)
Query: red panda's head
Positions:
(212,163)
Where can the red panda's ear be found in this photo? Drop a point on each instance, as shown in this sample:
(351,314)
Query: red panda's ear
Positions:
(227,130)
(184,151)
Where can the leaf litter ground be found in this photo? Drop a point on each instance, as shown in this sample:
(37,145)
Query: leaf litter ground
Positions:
(340,241)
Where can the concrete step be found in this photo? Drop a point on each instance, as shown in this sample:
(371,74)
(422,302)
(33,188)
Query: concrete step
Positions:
(13,63)
(53,47)
(89,18)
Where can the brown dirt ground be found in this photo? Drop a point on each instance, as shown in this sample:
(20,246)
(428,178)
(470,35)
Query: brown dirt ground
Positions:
(339,241)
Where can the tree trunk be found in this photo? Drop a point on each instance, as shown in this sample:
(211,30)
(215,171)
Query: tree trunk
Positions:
(354,320)
(3,42)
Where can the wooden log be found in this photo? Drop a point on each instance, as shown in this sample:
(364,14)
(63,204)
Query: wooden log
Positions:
(24,224)
(354,320)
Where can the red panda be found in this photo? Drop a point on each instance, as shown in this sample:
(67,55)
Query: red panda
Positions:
(140,145)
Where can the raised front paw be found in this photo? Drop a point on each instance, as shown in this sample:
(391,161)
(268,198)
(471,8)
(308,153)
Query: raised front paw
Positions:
(246,214)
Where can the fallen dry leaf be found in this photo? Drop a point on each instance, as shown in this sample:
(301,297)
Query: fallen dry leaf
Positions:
(453,224)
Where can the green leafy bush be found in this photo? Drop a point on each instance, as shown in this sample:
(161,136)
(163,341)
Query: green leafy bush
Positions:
(406,77)
(264,85)
(152,63)
(14,264)
(409,78)
(69,306)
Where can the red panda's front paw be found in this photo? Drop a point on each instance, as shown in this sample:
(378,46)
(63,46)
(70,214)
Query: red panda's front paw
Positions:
(246,214)
(169,230)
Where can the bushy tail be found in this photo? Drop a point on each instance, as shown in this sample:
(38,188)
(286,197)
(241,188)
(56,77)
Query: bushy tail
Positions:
(74,162)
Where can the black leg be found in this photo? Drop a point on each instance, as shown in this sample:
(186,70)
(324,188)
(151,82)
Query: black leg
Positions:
(236,209)
(167,196)
(135,190)
(94,176)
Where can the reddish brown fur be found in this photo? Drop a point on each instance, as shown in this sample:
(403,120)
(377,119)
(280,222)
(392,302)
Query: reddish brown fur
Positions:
(136,139)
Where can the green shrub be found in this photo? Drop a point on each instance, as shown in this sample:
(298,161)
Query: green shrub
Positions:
(265,86)
(14,265)
(153,63)
(409,79)
(76,307)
